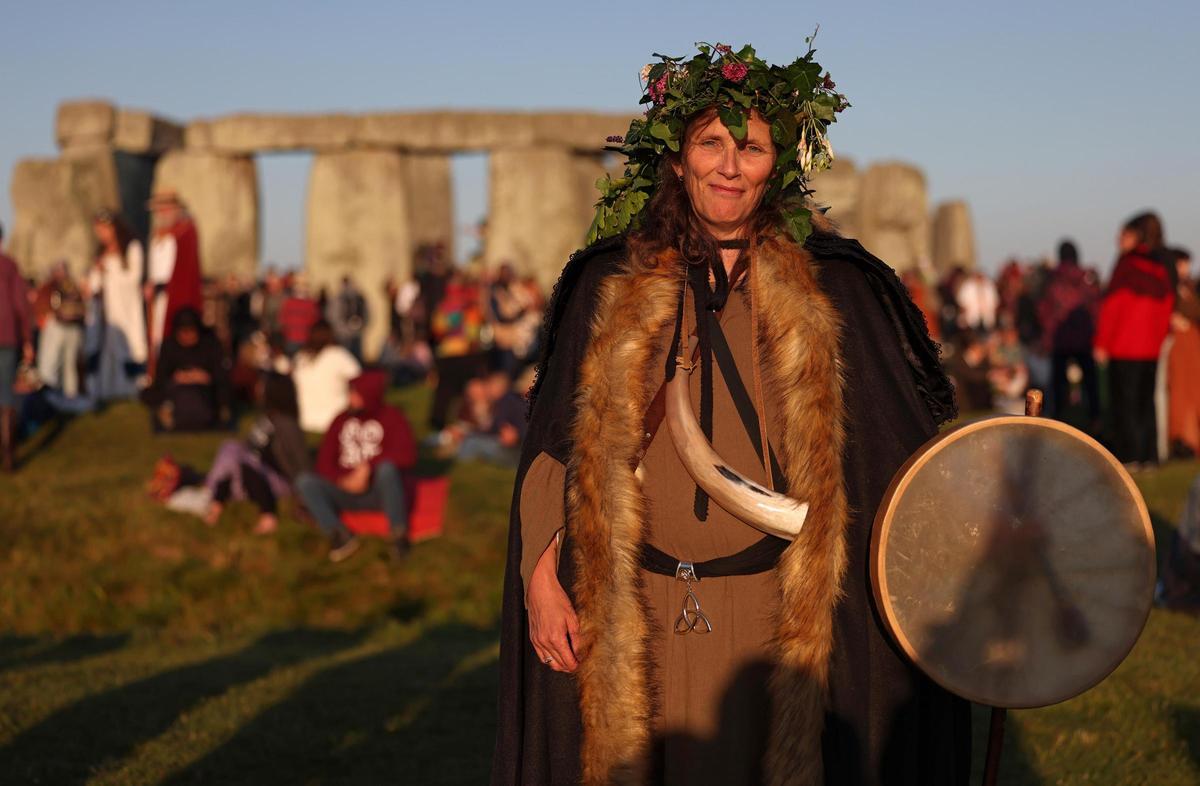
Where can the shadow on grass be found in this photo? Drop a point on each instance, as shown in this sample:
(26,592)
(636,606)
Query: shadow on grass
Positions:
(1164,531)
(25,651)
(421,713)
(42,440)
(72,742)
(1187,727)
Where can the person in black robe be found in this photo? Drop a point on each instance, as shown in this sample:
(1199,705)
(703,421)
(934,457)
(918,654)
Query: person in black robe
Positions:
(886,722)
(191,390)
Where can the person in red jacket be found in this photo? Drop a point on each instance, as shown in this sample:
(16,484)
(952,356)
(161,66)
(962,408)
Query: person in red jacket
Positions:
(1135,317)
(359,467)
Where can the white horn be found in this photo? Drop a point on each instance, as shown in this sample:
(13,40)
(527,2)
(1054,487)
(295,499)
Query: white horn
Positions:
(761,508)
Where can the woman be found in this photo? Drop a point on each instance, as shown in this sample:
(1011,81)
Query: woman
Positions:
(813,362)
(1135,317)
(322,373)
(116,281)
(263,467)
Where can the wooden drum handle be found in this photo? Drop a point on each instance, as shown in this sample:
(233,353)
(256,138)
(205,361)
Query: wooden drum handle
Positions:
(1033,403)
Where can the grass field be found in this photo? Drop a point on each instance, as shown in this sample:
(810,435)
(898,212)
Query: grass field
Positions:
(138,646)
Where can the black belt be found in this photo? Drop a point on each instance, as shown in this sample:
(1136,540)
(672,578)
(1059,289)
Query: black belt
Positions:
(758,557)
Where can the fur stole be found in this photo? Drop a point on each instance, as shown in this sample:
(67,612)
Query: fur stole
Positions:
(798,335)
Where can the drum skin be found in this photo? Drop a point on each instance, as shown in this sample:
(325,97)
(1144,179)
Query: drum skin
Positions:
(1012,559)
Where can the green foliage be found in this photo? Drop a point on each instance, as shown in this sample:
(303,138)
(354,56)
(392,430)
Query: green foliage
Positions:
(798,101)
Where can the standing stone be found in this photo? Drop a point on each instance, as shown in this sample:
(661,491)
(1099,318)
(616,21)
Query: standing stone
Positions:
(430,191)
(221,193)
(540,207)
(837,188)
(54,201)
(953,237)
(358,214)
(893,215)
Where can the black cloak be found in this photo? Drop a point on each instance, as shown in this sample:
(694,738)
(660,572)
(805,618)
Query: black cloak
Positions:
(886,722)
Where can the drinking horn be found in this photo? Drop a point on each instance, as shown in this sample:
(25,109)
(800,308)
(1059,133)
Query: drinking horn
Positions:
(769,511)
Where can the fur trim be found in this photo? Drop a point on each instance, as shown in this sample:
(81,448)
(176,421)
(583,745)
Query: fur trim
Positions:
(798,333)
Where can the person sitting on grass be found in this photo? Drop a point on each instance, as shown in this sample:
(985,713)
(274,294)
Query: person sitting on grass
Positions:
(499,441)
(262,467)
(359,467)
(191,383)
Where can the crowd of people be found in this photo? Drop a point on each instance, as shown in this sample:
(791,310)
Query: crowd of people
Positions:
(1118,358)
(205,354)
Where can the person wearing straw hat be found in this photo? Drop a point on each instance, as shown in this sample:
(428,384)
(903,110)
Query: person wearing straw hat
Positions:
(173,273)
(690,603)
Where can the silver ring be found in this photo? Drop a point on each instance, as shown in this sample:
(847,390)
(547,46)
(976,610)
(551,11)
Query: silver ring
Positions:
(549,659)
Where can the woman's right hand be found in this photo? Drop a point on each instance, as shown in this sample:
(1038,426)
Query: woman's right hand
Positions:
(553,625)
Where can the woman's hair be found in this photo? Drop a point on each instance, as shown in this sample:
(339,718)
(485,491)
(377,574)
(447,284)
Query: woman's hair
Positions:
(1148,229)
(319,336)
(669,221)
(121,230)
(279,395)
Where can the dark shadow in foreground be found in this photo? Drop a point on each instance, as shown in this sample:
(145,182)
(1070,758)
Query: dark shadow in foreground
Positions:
(422,713)
(27,651)
(1187,727)
(73,742)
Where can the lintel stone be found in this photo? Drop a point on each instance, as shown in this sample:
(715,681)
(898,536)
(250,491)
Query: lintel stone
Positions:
(84,122)
(143,132)
(418,132)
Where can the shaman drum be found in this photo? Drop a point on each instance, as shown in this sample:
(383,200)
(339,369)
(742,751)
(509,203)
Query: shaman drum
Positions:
(1013,561)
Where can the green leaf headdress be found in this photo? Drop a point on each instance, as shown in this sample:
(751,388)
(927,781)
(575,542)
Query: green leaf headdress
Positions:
(798,101)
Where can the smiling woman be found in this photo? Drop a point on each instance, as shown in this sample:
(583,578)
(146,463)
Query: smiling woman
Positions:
(725,178)
(652,633)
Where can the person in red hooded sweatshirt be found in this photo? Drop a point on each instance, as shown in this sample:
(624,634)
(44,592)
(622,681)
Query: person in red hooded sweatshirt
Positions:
(1135,317)
(359,467)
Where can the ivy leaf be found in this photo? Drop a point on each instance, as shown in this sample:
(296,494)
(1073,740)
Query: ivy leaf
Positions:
(746,53)
(740,97)
(734,120)
(804,76)
(799,224)
(783,129)
(823,108)
(787,156)
(660,130)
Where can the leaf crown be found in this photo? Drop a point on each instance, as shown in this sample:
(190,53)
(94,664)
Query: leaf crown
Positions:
(798,101)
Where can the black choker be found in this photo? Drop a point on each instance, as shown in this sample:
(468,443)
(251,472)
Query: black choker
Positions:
(740,243)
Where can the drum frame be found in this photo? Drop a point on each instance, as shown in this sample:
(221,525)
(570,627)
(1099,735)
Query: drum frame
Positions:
(882,526)
(901,481)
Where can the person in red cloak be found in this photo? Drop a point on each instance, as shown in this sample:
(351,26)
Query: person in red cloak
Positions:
(173,275)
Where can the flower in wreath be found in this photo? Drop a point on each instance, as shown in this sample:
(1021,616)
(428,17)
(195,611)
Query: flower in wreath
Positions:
(734,72)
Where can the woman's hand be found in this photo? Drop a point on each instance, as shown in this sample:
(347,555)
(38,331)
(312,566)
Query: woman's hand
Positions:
(553,626)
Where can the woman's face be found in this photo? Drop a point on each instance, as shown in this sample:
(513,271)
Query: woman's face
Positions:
(105,234)
(1127,241)
(725,179)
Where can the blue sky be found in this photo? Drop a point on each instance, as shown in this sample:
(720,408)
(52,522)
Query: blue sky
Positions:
(1051,118)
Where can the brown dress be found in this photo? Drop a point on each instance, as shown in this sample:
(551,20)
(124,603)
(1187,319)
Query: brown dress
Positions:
(712,710)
